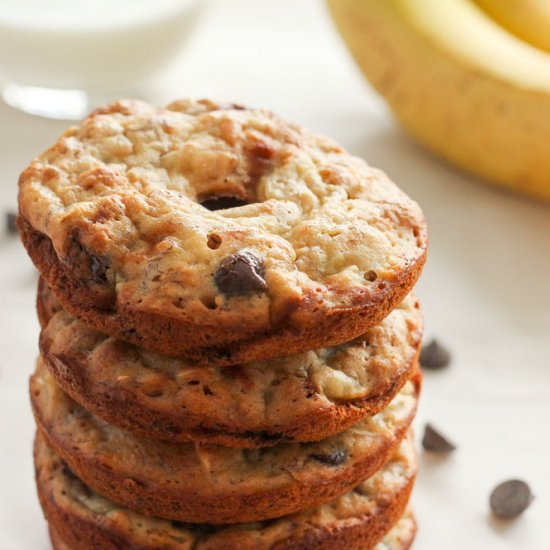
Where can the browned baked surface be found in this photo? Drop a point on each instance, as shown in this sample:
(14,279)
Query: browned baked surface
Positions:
(400,537)
(111,215)
(56,540)
(83,520)
(209,483)
(305,397)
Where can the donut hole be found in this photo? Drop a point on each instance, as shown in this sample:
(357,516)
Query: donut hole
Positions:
(222,202)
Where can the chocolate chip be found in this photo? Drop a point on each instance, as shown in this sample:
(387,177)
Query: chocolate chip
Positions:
(98,268)
(11,226)
(435,442)
(240,274)
(91,270)
(334,458)
(222,202)
(510,498)
(434,356)
(84,264)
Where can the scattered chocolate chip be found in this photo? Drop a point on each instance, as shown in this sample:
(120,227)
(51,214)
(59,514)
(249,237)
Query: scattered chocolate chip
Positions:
(193,382)
(222,202)
(510,498)
(11,227)
(240,274)
(434,356)
(435,442)
(334,458)
(207,391)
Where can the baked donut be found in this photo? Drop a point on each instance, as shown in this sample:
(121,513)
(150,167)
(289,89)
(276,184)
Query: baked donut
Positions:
(303,397)
(217,233)
(209,483)
(81,519)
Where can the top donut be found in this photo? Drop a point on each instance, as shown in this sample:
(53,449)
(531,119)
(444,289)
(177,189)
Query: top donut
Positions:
(217,233)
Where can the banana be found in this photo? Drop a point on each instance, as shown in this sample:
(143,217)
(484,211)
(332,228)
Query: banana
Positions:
(459,82)
(527,19)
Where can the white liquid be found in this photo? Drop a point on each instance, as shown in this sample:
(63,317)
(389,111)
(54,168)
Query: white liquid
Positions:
(90,44)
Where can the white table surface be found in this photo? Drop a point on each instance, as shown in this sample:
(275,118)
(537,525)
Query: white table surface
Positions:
(485,290)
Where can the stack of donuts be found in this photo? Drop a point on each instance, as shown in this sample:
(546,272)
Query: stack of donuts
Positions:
(228,354)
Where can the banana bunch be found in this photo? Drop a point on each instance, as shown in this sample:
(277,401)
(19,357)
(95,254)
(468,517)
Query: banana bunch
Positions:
(470,79)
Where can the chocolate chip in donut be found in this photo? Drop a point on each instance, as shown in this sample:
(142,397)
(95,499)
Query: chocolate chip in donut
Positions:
(334,458)
(85,264)
(240,274)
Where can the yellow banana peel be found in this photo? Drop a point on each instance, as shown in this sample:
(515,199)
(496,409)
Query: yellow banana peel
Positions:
(459,82)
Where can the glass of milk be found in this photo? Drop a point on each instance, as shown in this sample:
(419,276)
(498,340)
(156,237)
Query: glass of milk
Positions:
(56,56)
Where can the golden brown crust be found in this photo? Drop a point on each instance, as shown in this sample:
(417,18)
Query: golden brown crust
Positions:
(356,520)
(306,397)
(400,537)
(199,483)
(170,337)
(55,539)
(113,217)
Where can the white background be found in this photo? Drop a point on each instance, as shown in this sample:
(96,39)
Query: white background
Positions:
(485,290)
